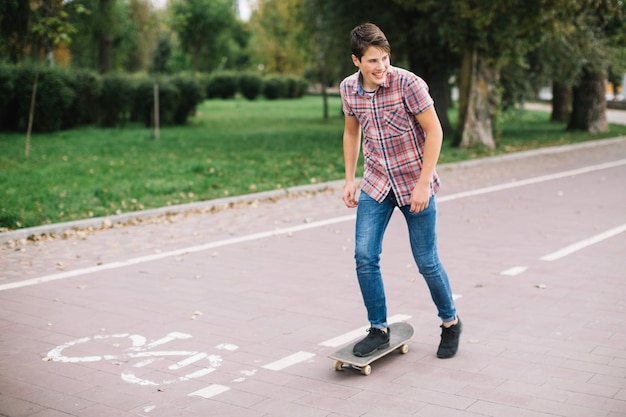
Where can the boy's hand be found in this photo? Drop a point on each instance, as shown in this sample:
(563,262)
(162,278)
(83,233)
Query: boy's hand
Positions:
(349,195)
(420,197)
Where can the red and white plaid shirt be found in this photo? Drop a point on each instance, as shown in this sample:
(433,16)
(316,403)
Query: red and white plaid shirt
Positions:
(393,140)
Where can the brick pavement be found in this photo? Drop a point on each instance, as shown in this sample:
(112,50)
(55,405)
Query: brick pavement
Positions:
(260,287)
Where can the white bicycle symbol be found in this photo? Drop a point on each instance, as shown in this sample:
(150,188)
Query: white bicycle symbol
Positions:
(142,349)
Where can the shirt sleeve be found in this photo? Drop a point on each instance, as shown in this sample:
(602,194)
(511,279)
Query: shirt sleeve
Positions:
(343,89)
(416,95)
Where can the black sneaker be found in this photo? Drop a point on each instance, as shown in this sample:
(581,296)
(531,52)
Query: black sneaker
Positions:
(449,340)
(375,340)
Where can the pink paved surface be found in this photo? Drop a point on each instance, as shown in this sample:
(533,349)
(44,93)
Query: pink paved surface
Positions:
(253,285)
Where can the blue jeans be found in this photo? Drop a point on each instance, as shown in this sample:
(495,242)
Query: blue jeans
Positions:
(371,222)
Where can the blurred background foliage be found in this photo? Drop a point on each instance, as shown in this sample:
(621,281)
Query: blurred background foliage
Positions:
(495,54)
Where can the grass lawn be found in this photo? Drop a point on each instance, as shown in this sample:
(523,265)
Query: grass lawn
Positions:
(230,148)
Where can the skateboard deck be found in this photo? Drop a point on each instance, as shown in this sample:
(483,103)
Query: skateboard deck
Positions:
(401,333)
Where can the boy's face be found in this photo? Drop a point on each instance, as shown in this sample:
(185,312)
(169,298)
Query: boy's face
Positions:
(373,65)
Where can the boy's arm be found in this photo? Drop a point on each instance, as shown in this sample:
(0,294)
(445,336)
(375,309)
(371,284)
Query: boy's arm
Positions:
(351,150)
(429,121)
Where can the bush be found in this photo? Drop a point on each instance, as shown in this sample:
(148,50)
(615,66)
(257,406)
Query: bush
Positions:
(296,86)
(71,98)
(87,87)
(250,85)
(274,87)
(222,85)
(191,94)
(53,100)
(116,99)
(169,100)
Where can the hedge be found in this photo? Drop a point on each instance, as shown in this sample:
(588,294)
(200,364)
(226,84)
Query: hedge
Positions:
(169,99)
(222,85)
(116,100)
(67,98)
(250,85)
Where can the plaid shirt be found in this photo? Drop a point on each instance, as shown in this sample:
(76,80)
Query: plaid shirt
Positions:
(393,140)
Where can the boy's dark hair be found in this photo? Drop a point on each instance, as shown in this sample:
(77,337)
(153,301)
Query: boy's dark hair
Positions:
(366,35)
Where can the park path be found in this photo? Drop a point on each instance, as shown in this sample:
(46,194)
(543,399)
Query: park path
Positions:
(233,309)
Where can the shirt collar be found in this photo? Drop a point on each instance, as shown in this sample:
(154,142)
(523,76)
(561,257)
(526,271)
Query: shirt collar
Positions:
(390,76)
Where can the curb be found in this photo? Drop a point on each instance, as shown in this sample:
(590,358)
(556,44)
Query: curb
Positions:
(144,216)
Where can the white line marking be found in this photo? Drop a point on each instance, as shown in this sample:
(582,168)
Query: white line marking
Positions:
(278,232)
(179,252)
(210,391)
(169,338)
(457,296)
(288,361)
(188,361)
(584,243)
(351,335)
(516,270)
(529,181)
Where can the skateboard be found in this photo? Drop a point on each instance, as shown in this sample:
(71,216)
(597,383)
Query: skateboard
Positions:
(401,333)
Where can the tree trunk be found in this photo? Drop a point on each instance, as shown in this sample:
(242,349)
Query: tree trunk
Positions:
(436,76)
(561,102)
(31,114)
(105,41)
(477,102)
(195,56)
(589,104)
(440,92)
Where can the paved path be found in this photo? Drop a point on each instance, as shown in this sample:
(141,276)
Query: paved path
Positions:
(612,115)
(234,312)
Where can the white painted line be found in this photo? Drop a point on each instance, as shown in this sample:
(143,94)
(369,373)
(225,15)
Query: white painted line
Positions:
(529,181)
(162,255)
(516,270)
(288,361)
(584,243)
(351,335)
(197,374)
(210,391)
(278,232)
(457,296)
(188,361)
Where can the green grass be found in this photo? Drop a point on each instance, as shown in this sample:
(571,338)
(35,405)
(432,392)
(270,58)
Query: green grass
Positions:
(230,148)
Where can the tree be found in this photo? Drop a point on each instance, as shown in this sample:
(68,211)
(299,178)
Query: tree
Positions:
(140,35)
(426,29)
(602,36)
(202,25)
(106,35)
(438,37)
(51,29)
(491,35)
(588,40)
(115,35)
(14,28)
(278,28)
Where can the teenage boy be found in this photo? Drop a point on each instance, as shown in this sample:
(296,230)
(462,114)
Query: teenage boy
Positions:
(402,136)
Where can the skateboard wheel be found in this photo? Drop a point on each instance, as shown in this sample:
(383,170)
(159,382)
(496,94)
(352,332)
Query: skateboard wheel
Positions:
(404,348)
(338,366)
(366,370)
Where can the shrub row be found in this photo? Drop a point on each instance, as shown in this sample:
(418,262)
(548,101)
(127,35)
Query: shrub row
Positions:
(70,98)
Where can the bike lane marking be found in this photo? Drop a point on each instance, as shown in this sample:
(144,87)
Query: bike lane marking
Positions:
(210,391)
(575,247)
(312,225)
(570,249)
(140,350)
(288,361)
